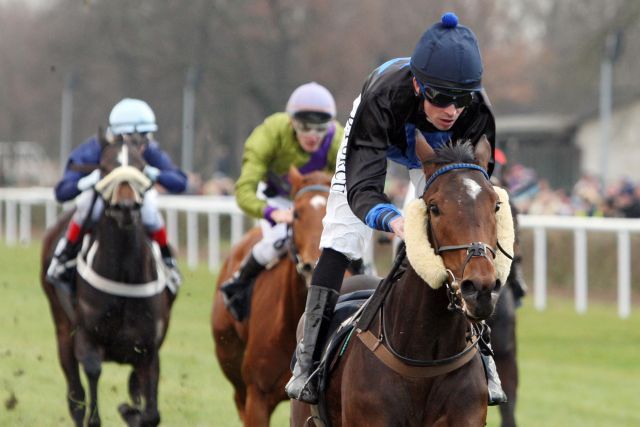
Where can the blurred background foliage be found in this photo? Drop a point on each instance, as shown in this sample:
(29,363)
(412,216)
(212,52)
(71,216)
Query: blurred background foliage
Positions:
(245,56)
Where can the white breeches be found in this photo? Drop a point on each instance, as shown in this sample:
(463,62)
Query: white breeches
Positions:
(275,242)
(149,212)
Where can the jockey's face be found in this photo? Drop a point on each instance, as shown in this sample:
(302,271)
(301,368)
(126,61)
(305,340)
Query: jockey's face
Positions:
(310,135)
(442,117)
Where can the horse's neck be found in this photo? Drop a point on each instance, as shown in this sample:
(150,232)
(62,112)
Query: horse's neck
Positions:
(418,323)
(123,254)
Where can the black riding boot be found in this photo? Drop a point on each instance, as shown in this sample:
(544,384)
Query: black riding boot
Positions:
(237,290)
(496,394)
(174,278)
(516,281)
(61,274)
(61,270)
(318,313)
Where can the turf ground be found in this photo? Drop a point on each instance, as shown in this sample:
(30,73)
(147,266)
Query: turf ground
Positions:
(576,370)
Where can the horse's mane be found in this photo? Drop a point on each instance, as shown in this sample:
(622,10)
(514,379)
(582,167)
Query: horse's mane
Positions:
(460,151)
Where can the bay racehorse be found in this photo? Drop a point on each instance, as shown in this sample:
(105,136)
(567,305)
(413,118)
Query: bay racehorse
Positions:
(122,307)
(412,357)
(255,354)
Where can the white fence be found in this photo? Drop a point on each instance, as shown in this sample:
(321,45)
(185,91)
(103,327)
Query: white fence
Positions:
(16,225)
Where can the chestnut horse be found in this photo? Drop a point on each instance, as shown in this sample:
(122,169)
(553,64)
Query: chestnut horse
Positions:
(122,307)
(415,362)
(255,354)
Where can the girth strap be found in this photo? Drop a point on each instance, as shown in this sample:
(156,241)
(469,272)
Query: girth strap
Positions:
(448,365)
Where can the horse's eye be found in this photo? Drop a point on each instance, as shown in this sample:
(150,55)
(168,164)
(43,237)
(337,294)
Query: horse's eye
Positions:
(296,215)
(498,206)
(433,208)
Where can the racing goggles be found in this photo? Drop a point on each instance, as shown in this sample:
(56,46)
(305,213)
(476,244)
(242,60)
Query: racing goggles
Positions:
(307,127)
(136,138)
(440,99)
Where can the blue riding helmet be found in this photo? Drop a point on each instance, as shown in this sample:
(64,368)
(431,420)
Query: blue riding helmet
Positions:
(447,57)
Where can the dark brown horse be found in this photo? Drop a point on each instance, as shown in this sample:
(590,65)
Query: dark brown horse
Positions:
(503,333)
(122,308)
(255,354)
(416,363)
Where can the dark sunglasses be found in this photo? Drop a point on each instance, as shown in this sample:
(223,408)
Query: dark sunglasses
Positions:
(442,100)
(306,127)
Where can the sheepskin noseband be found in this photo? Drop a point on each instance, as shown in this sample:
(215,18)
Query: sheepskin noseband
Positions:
(139,181)
(430,266)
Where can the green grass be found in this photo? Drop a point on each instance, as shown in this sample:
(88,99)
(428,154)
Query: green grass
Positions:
(576,370)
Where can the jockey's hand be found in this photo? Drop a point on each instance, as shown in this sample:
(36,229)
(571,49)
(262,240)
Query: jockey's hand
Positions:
(397,226)
(86,182)
(282,215)
(151,172)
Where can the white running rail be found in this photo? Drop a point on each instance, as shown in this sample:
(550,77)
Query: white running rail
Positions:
(16,224)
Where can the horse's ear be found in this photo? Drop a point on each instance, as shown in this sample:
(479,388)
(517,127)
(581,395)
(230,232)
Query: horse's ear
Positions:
(102,137)
(295,177)
(483,152)
(425,153)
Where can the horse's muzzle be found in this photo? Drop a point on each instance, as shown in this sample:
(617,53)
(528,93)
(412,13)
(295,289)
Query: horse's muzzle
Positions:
(479,299)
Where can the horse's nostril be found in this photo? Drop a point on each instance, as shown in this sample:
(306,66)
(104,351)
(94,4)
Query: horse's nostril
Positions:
(497,286)
(306,268)
(467,287)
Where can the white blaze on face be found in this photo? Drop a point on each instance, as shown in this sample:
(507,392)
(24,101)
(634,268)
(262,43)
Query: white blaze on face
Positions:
(318,202)
(123,157)
(473,188)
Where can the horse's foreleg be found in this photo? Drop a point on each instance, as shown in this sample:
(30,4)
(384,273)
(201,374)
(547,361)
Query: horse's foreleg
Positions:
(508,369)
(257,409)
(149,374)
(75,391)
(135,392)
(230,353)
(91,360)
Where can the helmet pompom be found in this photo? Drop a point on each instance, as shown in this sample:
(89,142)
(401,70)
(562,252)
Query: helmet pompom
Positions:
(449,20)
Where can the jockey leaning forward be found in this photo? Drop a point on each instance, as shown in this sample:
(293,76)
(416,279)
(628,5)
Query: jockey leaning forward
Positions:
(130,120)
(306,136)
(437,91)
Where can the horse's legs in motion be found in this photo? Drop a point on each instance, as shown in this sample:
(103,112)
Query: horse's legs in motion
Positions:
(135,393)
(503,335)
(230,352)
(258,409)
(507,367)
(149,373)
(91,360)
(75,391)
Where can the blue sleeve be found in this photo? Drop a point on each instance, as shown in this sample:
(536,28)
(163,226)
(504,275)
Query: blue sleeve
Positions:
(86,153)
(381,215)
(171,178)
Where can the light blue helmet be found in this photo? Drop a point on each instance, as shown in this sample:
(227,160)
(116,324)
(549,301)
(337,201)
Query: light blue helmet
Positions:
(132,115)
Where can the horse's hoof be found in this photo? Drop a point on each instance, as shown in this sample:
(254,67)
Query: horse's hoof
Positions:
(129,414)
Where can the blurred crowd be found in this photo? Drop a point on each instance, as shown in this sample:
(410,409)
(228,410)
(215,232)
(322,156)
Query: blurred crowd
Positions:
(531,194)
(535,196)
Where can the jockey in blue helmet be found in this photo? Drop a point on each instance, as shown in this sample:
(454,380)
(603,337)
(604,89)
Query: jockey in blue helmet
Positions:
(129,119)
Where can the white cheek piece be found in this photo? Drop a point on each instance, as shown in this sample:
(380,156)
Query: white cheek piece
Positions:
(430,266)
